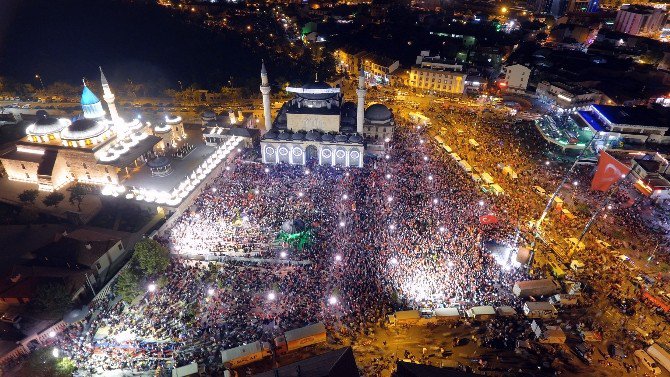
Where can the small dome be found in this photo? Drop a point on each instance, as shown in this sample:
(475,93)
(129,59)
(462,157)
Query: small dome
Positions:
(317,96)
(356,138)
(284,136)
(378,113)
(41,113)
(327,137)
(208,114)
(347,127)
(298,136)
(272,134)
(341,138)
(159,162)
(84,129)
(47,125)
(313,135)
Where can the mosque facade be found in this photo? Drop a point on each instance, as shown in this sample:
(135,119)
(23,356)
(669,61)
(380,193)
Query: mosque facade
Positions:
(318,126)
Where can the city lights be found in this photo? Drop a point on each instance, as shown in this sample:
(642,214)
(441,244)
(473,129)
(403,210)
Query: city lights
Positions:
(271,296)
(338,258)
(152,287)
(332,300)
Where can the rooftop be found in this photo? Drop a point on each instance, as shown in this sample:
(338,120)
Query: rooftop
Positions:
(638,116)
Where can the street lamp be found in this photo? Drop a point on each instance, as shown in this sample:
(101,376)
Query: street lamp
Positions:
(37,76)
(210,292)
(152,287)
(52,334)
(283,255)
(338,258)
(55,352)
(271,296)
(332,300)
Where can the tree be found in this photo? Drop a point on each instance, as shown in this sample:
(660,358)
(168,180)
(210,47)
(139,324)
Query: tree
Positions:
(77,194)
(128,285)
(52,298)
(151,257)
(28,196)
(42,363)
(53,199)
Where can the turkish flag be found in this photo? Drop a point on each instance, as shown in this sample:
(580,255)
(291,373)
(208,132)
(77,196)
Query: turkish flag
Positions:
(488,219)
(610,171)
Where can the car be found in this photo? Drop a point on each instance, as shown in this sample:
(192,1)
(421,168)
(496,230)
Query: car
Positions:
(582,351)
(461,341)
(615,351)
(539,190)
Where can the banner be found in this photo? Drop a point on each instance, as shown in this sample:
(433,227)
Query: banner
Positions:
(610,171)
(488,219)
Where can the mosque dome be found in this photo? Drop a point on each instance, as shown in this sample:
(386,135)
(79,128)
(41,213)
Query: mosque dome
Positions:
(90,104)
(208,115)
(41,113)
(298,136)
(341,138)
(317,96)
(378,113)
(158,162)
(272,134)
(313,135)
(284,136)
(83,129)
(349,109)
(327,137)
(46,125)
(356,138)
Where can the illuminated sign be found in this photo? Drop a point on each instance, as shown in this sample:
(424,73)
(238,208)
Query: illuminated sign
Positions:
(313,91)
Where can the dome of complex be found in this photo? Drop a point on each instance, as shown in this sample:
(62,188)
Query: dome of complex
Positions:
(158,162)
(271,135)
(378,113)
(84,129)
(91,105)
(327,137)
(46,125)
(41,113)
(356,139)
(317,85)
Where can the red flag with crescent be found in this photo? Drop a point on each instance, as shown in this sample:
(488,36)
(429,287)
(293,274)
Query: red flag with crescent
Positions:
(610,171)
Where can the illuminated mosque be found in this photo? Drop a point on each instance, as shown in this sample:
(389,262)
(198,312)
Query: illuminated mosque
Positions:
(99,147)
(319,126)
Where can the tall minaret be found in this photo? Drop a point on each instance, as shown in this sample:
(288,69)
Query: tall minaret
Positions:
(360,109)
(265,90)
(108,96)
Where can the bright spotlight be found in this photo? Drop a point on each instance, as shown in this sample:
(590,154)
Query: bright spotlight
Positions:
(435,201)
(55,352)
(52,334)
(152,287)
(210,292)
(283,255)
(442,229)
(387,157)
(213,189)
(301,194)
(388,176)
(389,199)
(430,177)
(392,227)
(332,300)
(425,158)
(338,258)
(272,296)
(481,203)
(394,260)
(267,170)
(345,196)
(256,191)
(342,224)
(307,172)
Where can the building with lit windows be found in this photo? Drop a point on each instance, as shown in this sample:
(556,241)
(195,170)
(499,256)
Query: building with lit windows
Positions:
(318,126)
(640,19)
(436,75)
(566,96)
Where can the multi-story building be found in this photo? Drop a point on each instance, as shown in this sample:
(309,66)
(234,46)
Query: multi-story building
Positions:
(639,20)
(434,74)
(517,76)
(378,69)
(566,96)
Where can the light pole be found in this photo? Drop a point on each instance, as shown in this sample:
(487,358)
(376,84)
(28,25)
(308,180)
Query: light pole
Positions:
(38,77)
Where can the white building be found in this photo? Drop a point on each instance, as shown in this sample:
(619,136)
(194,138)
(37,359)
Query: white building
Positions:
(517,76)
(434,74)
(566,96)
(639,20)
(319,126)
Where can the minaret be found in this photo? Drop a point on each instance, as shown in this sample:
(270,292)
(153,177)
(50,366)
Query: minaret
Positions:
(360,109)
(265,90)
(108,96)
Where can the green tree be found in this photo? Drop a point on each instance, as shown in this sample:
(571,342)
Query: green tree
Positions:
(128,285)
(151,257)
(77,194)
(42,363)
(28,196)
(53,199)
(52,298)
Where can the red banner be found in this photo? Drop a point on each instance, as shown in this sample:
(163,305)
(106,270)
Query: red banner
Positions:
(610,171)
(488,219)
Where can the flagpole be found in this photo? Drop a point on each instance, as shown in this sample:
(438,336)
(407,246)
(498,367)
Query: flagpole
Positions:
(602,207)
(565,179)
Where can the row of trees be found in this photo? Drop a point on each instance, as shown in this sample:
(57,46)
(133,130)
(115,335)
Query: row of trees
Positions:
(149,262)
(53,199)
